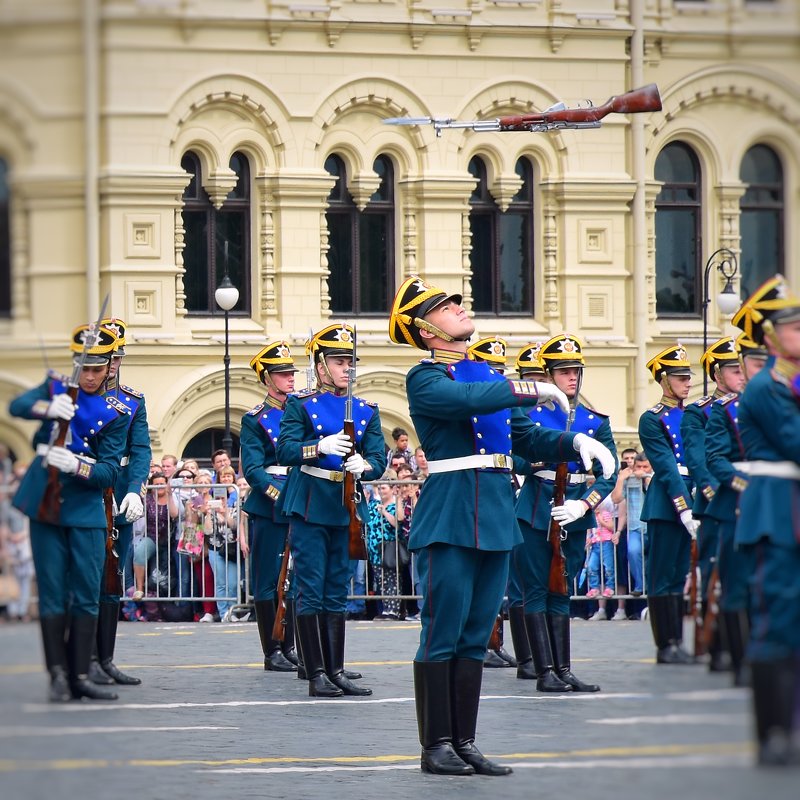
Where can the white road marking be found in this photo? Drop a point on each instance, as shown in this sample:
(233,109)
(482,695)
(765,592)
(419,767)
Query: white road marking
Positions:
(30,730)
(676,719)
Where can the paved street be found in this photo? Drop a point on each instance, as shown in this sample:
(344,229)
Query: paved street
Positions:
(208,722)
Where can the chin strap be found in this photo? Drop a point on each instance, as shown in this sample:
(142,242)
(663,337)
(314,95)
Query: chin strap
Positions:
(424,325)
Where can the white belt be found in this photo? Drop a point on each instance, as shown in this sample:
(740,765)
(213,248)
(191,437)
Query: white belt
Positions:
(770,469)
(43,449)
(683,470)
(328,474)
(124,461)
(550,475)
(276,470)
(488,460)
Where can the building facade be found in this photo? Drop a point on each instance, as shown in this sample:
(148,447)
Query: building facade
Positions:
(147,147)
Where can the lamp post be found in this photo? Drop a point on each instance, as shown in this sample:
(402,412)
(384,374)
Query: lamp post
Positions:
(728,301)
(226,297)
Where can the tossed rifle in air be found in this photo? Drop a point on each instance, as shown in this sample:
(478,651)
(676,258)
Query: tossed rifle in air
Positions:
(50,506)
(557,579)
(350,486)
(557,117)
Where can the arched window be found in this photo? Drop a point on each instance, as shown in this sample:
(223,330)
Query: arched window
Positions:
(361,243)
(501,258)
(761,220)
(202,445)
(5,243)
(207,231)
(678,232)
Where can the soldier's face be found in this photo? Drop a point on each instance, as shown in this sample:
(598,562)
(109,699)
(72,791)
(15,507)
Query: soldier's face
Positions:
(92,377)
(453,319)
(753,365)
(731,378)
(788,336)
(338,366)
(114,368)
(567,380)
(679,385)
(284,381)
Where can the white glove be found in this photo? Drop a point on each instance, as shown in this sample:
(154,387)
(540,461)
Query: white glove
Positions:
(571,510)
(61,407)
(550,395)
(337,444)
(690,523)
(62,459)
(131,507)
(592,449)
(356,465)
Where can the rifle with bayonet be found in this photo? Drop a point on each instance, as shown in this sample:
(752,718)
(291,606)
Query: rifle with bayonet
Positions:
(50,507)
(350,486)
(557,117)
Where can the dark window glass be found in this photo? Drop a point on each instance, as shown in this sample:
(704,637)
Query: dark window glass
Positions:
(761,218)
(678,232)
(207,231)
(5,243)
(501,257)
(201,446)
(361,243)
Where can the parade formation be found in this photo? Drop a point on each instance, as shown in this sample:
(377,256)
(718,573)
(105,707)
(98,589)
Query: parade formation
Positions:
(516,468)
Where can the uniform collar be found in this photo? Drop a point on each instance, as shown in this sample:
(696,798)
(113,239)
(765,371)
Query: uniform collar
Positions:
(326,389)
(442,356)
(671,402)
(785,370)
(269,400)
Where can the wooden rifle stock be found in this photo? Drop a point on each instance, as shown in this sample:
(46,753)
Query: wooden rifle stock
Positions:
(112,577)
(647,98)
(696,601)
(50,506)
(712,611)
(356,547)
(495,643)
(557,579)
(279,626)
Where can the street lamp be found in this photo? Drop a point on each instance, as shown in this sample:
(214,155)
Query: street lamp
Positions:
(727,300)
(226,296)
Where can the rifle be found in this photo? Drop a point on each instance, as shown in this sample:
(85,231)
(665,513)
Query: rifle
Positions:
(310,368)
(279,626)
(557,117)
(112,577)
(557,579)
(495,643)
(50,506)
(712,611)
(351,491)
(696,601)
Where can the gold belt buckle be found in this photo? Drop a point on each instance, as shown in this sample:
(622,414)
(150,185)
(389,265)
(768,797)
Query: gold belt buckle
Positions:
(500,461)
(337,477)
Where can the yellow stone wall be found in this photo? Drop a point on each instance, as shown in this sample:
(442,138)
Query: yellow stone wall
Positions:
(99,100)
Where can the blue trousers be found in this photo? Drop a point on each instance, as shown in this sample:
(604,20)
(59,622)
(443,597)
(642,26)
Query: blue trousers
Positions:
(532,564)
(668,558)
(321,566)
(735,568)
(462,590)
(268,541)
(69,565)
(636,547)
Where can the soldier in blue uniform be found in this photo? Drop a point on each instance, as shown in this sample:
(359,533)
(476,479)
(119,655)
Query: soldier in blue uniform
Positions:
(492,350)
(547,619)
(468,418)
(769,519)
(529,368)
(721,365)
(724,448)
(312,440)
(667,504)
(69,554)
(269,529)
(129,492)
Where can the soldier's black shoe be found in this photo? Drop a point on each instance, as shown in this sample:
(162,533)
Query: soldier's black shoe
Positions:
(718,662)
(483,766)
(98,675)
(81,686)
(525,670)
(59,686)
(350,675)
(348,687)
(548,681)
(542,653)
(492,659)
(442,759)
(320,686)
(673,654)
(277,662)
(290,655)
(118,676)
(506,656)
(575,683)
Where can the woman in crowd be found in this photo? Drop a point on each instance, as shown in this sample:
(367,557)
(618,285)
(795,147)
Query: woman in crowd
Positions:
(382,530)
(406,501)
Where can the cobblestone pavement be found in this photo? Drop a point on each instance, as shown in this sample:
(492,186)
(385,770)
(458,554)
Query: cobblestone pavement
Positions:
(208,722)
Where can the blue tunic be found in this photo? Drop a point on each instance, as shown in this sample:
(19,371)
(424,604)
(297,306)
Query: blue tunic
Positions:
(693,425)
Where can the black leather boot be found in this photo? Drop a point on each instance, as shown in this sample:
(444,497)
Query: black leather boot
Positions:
(493,660)
(274,660)
(661,615)
(287,645)
(501,651)
(737,632)
(332,626)
(82,632)
(466,694)
(559,631)
(106,639)
(432,694)
(522,648)
(96,673)
(55,656)
(678,606)
(308,626)
(542,654)
(773,703)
